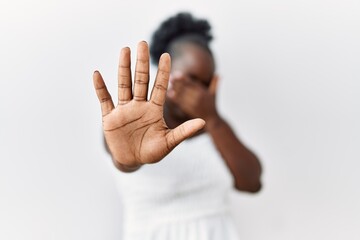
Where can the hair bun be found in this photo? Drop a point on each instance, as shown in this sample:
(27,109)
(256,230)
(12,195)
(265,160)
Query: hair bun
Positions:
(174,27)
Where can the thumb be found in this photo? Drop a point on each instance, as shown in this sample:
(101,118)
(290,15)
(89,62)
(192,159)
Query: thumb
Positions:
(214,84)
(184,131)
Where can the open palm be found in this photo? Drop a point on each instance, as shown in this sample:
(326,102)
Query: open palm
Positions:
(135,130)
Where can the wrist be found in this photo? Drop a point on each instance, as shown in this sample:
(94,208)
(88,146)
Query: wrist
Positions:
(213,123)
(126,168)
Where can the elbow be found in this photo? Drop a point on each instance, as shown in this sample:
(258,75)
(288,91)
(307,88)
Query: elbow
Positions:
(254,187)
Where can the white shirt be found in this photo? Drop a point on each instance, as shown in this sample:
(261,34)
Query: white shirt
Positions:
(184,196)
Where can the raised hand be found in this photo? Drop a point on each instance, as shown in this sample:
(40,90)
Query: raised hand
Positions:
(135,130)
(193,98)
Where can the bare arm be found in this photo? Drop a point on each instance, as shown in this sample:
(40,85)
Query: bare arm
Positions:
(198,101)
(243,163)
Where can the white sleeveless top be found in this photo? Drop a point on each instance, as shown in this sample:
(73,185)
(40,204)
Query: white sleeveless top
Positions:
(182,197)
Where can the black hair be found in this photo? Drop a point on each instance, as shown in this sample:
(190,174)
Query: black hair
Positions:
(181,27)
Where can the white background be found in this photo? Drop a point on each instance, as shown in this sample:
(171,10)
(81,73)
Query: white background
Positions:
(290,87)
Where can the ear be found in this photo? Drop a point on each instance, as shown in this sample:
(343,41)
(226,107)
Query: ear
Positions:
(214,84)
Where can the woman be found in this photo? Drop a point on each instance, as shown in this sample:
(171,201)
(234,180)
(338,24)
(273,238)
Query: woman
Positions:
(185,194)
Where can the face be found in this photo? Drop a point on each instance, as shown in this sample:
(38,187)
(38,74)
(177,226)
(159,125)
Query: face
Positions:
(197,65)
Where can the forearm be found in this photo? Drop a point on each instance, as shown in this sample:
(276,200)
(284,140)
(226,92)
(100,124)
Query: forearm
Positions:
(243,163)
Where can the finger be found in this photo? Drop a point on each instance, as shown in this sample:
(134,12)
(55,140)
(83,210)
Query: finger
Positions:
(102,93)
(174,77)
(214,85)
(186,91)
(177,83)
(187,100)
(184,131)
(141,72)
(162,79)
(124,77)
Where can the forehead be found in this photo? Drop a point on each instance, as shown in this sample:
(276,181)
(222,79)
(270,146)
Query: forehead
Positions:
(193,59)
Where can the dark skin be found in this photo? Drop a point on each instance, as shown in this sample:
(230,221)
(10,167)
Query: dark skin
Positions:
(192,94)
(176,115)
